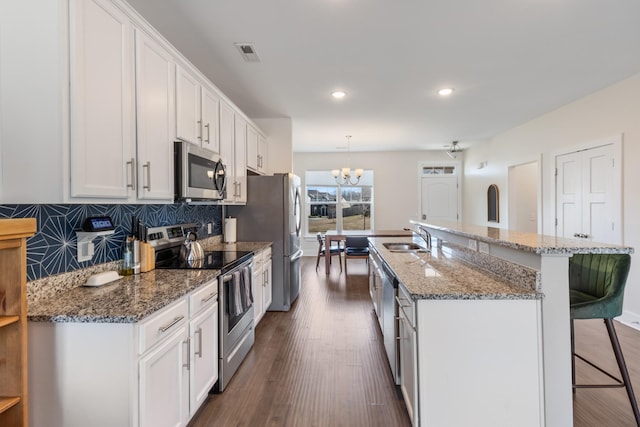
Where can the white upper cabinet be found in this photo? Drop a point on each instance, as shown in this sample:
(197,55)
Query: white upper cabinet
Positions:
(101,121)
(196,112)
(155,108)
(233,152)
(256,150)
(187,107)
(102,117)
(209,120)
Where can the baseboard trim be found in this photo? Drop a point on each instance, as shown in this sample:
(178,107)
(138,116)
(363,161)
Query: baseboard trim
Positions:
(630,319)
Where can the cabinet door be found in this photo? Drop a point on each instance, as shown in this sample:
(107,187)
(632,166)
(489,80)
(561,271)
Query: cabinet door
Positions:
(155,88)
(262,154)
(241,159)
(209,129)
(164,383)
(252,148)
(257,288)
(187,107)
(267,295)
(408,370)
(227,151)
(102,132)
(204,356)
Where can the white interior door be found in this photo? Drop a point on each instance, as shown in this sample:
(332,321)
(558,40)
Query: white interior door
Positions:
(440,198)
(588,203)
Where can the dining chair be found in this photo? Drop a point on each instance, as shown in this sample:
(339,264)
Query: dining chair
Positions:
(596,291)
(355,247)
(333,250)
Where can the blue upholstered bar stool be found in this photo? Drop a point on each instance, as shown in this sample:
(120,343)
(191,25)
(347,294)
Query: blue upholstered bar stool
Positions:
(596,286)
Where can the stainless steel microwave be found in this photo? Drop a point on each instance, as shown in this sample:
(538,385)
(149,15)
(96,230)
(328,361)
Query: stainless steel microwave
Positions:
(199,173)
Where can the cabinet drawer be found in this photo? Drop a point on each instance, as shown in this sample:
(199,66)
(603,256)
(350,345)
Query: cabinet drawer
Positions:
(161,325)
(203,297)
(406,305)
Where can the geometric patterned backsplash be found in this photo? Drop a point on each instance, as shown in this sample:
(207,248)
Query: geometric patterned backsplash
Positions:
(53,249)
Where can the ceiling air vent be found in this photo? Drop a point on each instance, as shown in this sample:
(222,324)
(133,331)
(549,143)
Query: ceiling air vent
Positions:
(248,52)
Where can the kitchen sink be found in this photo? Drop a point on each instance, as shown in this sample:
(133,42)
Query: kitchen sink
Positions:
(402,247)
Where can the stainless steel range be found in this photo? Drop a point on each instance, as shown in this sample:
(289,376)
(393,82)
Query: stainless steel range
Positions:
(235,316)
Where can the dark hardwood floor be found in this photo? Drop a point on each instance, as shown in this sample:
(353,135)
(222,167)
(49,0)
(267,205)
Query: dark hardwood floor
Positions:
(320,364)
(323,364)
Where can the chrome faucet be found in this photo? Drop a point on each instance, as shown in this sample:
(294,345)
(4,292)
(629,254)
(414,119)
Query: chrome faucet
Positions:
(423,234)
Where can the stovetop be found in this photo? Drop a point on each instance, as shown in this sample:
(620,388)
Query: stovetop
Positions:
(168,240)
(222,260)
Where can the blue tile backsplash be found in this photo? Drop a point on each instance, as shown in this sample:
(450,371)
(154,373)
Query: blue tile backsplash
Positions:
(53,249)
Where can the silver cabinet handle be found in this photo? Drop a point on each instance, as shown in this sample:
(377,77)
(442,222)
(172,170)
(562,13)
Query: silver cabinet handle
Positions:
(400,303)
(209,297)
(208,133)
(148,186)
(200,128)
(188,359)
(239,189)
(132,169)
(176,320)
(199,351)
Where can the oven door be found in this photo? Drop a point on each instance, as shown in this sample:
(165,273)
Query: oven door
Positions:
(237,303)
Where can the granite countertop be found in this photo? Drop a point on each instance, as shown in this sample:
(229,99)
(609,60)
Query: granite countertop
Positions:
(438,275)
(526,242)
(127,300)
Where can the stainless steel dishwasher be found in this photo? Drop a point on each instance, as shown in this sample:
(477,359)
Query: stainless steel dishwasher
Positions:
(389,315)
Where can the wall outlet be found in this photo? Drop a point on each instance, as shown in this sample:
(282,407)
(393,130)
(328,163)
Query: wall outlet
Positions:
(473,245)
(209,228)
(483,247)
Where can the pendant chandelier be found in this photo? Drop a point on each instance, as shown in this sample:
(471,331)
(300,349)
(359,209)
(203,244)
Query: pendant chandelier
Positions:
(343,176)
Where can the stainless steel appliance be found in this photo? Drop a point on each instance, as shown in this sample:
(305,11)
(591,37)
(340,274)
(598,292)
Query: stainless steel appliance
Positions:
(388,310)
(198,173)
(273,213)
(236,333)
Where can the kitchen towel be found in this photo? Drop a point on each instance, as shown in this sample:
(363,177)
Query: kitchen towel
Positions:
(236,294)
(230,230)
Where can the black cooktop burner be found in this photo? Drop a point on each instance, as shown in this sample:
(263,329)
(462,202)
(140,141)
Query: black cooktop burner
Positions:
(221,260)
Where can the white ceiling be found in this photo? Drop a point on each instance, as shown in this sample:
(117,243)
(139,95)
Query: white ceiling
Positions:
(508,60)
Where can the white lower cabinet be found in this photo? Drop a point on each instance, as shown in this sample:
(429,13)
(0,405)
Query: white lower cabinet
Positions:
(261,283)
(479,355)
(203,372)
(155,373)
(164,383)
(408,345)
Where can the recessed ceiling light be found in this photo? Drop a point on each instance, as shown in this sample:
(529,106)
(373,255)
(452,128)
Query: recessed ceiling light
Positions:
(445,91)
(338,94)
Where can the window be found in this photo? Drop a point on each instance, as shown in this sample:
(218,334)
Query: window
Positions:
(331,206)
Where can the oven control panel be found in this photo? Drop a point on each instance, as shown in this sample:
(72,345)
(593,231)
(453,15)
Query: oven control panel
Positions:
(169,235)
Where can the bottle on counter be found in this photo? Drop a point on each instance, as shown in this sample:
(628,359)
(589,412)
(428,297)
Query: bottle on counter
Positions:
(130,256)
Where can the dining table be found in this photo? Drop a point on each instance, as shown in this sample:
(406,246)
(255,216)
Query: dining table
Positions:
(340,236)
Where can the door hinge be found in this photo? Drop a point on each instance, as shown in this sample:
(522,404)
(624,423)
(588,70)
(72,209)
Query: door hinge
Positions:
(613,226)
(556,173)
(613,162)
(556,222)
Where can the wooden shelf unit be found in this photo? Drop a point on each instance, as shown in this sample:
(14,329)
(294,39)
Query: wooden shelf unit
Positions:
(13,320)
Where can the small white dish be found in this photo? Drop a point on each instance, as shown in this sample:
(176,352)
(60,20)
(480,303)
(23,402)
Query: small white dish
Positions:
(100,279)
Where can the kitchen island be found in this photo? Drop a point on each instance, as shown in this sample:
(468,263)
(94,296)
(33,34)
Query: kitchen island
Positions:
(490,311)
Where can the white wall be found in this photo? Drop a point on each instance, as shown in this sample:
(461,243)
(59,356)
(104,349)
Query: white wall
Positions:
(396,181)
(523,198)
(279,144)
(611,111)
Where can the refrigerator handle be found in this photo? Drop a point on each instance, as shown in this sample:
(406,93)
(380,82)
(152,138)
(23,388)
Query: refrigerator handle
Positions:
(297,255)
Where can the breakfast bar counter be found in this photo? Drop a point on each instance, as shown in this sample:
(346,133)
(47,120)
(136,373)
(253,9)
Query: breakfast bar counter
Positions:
(517,260)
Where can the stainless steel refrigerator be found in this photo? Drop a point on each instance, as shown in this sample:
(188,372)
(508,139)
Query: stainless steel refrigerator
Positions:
(272,213)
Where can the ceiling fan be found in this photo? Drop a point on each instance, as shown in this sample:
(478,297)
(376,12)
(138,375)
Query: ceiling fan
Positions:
(453,149)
